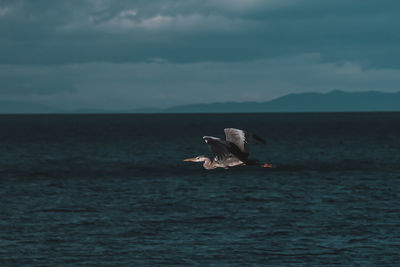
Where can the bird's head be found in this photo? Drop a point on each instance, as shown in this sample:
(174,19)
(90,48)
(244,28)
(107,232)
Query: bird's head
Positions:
(197,159)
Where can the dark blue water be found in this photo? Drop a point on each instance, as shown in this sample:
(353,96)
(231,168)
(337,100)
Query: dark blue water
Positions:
(113,190)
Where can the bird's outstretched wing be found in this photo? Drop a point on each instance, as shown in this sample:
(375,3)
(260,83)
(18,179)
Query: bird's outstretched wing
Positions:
(238,137)
(218,147)
(241,138)
(225,151)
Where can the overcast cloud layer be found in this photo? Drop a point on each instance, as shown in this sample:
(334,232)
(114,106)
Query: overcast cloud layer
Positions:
(129,54)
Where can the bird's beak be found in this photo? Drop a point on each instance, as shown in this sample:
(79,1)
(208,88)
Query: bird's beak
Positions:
(193,159)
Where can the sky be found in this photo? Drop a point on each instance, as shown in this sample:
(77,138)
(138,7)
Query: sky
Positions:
(119,54)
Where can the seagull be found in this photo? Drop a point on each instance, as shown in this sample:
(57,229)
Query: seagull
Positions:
(231,152)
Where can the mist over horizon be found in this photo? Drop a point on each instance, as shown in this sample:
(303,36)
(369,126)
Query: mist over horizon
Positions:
(333,101)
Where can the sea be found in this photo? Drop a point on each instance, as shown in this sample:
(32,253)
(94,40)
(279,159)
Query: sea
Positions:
(113,190)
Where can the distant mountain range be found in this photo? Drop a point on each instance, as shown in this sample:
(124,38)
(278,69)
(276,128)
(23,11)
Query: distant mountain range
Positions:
(305,102)
(334,101)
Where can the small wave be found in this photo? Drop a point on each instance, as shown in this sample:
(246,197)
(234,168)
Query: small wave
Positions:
(65,210)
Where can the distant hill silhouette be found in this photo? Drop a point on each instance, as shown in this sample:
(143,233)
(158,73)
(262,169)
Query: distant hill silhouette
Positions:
(305,102)
(334,101)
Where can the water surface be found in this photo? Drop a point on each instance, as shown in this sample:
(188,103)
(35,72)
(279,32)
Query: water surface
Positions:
(113,190)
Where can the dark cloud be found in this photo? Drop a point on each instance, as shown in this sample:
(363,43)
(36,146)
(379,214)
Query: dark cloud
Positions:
(62,32)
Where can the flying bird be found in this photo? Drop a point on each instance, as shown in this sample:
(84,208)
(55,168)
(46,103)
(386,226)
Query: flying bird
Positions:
(231,152)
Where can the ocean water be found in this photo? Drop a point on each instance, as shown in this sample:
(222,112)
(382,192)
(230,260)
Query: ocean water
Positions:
(114,190)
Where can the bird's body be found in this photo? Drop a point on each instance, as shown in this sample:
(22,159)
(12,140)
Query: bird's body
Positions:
(231,152)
